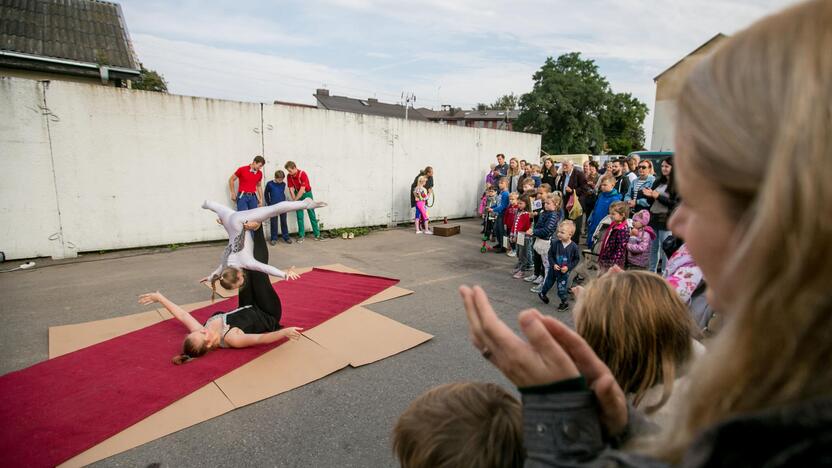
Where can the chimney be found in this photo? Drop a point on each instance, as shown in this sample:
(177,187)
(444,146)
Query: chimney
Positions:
(372,100)
(321,92)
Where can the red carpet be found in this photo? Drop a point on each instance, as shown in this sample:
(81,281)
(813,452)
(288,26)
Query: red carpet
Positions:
(55,410)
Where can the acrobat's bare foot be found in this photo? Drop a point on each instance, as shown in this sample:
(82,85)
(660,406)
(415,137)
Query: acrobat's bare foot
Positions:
(312,204)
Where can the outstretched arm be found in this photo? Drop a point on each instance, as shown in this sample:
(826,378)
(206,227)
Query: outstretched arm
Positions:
(244,340)
(181,315)
(252,264)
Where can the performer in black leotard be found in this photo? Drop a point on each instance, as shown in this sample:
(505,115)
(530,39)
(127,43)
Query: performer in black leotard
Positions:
(255,321)
(257,289)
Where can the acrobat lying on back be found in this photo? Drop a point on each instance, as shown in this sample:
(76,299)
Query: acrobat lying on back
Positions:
(239,254)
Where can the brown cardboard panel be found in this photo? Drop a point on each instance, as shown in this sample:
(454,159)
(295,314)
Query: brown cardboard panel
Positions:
(362,336)
(202,405)
(226,293)
(284,368)
(68,338)
(392,292)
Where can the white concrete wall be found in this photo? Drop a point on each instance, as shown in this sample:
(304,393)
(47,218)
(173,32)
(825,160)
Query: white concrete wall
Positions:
(132,167)
(663,125)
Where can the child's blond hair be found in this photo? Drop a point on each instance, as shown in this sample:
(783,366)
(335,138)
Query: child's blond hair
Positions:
(636,323)
(461,424)
(621,208)
(555,197)
(569,225)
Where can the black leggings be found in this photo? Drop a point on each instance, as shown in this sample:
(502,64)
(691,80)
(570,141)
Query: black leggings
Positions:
(258,290)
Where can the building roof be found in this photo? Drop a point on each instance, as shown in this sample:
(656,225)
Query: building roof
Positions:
(87,31)
(717,37)
(364,106)
(469,114)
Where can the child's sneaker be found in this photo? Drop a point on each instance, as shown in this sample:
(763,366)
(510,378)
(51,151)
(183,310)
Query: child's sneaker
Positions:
(536,289)
(428,231)
(511,253)
(540,279)
(518,275)
(543,297)
(563,306)
(530,278)
(418,232)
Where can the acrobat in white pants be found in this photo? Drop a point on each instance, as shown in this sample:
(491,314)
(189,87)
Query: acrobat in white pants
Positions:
(240,250)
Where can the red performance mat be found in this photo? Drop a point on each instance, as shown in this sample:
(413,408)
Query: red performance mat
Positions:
(58,408)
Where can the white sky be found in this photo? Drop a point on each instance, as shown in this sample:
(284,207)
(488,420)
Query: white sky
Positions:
(457,52)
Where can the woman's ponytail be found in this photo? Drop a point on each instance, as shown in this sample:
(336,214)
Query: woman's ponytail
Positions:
(214,280)
(181,359)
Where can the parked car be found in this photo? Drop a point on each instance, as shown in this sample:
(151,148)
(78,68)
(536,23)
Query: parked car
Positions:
(655,157)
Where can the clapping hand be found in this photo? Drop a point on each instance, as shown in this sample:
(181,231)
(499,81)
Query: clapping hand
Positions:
(552,353)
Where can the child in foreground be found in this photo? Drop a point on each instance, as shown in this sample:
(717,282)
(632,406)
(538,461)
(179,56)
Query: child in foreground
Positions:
(564,256)
(461,424)
(521,232)
(508,223)
(614,241)
(637,324)
(638,245)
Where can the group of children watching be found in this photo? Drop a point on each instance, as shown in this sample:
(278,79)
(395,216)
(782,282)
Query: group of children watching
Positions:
(532,225)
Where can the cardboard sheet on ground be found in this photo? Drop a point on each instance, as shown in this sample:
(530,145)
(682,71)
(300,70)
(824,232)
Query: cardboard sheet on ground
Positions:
(201,405)
(282,369)
(362,336)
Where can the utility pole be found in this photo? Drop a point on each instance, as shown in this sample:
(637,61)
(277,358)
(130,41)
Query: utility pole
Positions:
(408,99)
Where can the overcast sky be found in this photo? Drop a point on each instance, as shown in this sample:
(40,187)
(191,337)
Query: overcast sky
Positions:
(457,52)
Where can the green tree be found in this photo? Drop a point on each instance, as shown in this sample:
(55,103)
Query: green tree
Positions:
(565,104)
(573,108)
(150,80)
(622,121)
(507,101)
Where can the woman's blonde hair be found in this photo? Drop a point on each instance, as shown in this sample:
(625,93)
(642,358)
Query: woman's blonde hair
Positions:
(516,170)
(636,323)
(759,110)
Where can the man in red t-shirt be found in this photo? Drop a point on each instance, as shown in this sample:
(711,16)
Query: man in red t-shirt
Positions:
(250,192)
(299,189)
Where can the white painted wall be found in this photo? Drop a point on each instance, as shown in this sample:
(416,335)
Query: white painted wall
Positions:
(663,125)
(132,167)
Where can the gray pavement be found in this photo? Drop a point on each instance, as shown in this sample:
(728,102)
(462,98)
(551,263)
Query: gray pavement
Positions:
(342,420)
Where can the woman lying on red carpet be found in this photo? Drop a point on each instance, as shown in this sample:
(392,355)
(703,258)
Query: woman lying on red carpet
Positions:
(240,328)
(256,321)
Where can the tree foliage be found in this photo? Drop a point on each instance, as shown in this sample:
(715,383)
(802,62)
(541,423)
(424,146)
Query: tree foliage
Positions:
(507,101)
(622,122)
(573,108)
(150,80)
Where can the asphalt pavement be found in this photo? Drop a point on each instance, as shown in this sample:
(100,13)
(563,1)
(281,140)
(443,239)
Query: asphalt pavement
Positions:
(342,420)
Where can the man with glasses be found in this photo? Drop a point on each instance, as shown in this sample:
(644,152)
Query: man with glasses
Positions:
(635,197)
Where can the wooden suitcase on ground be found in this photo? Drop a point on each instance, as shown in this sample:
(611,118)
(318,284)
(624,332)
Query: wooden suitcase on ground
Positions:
(445,230)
